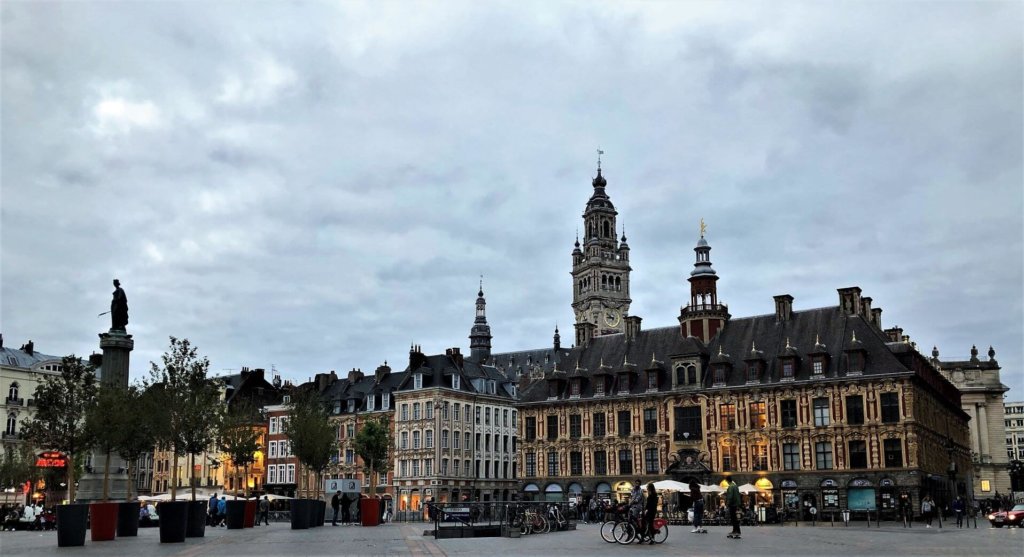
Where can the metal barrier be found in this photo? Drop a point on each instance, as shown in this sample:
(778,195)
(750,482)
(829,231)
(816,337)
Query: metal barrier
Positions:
(506,517)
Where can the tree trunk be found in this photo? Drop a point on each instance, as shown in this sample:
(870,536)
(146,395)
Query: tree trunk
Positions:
(131,467)
(71,478)
(192,475)
(174,478)
(106,478)
(245,480)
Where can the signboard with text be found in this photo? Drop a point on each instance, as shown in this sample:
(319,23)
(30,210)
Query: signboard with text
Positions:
(344,485)
(51,459)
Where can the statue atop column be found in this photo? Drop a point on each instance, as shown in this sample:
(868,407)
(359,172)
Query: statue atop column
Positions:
(118,308)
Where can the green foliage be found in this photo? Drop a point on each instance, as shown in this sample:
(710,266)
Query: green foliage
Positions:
(313,438)
(373,445)
(188,403)
(239,436)
(17,465)
(105,422)
(62,402)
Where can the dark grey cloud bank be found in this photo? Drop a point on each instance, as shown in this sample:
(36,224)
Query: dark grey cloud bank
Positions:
(315,186)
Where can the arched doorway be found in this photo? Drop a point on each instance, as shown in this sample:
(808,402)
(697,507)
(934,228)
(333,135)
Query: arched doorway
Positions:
(622,490)
(553,493)
(603,492)
(531,492)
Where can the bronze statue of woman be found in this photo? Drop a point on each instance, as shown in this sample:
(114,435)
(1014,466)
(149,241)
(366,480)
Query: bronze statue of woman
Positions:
(118,308)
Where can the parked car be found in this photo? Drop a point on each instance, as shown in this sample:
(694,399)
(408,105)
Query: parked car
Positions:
(1012,517)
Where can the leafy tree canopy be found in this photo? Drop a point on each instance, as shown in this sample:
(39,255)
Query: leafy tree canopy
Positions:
(373,445)
(312,437)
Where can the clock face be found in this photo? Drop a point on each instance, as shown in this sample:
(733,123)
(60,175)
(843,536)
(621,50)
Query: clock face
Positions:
(612,317)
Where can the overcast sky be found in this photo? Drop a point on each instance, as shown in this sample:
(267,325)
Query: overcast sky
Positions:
(315,186)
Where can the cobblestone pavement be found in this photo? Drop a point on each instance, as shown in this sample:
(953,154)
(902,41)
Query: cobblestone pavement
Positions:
(403,539)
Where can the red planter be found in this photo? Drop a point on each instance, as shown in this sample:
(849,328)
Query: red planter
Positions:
(250,514)
(103,521)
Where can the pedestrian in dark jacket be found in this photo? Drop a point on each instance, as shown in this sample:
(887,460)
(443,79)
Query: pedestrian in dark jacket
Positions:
(335,505)
(733,501)
(346,511)
(698,506)
(650,511)
(958,509)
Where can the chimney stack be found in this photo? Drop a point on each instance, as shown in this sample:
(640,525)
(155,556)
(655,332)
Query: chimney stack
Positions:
(850,300)
(632,327)
(876,317)
(895,334)
(456,355)
(783,307)
(584,332)
(865,308)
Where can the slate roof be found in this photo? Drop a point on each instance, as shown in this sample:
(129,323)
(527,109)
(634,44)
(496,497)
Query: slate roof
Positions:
(20,358)
(438,368)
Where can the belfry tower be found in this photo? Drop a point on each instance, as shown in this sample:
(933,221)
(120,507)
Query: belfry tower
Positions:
(480,334)
(600,270)
(704,316)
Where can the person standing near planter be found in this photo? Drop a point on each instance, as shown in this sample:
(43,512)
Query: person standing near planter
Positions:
(222,510)
(213,510)
(346,512)
(335,506)
(264,511)
(733,500)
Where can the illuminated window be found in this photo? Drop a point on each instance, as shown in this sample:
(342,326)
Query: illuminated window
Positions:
(986,485)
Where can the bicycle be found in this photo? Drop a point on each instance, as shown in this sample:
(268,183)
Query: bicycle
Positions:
(556,519)
(608,527)
(633,531)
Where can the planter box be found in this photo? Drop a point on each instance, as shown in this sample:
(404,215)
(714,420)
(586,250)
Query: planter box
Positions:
(103,521)
(235,518)
(301,512)
(196,527)
(127,519)
(250,514)
(173,521)
(71,521)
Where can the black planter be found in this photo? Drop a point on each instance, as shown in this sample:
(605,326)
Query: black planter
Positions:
(323,512)
(71,524)
(235,514)
(316,517)
(128,519)
(196,527)
(301,511)
(173,521)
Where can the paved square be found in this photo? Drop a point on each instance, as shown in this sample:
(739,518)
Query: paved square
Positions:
(402,539)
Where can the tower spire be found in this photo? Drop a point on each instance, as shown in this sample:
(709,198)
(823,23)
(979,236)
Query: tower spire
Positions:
(704,316)
(480,333)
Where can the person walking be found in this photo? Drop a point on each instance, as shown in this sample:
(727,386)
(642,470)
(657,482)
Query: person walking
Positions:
(927,510)
(213,510)
(697,501)
(264,511)
(733,501)
(222,510)
(335,506)
(650,511)
(958,509)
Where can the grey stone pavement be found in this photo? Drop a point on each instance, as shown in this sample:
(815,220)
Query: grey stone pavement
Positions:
(408,539)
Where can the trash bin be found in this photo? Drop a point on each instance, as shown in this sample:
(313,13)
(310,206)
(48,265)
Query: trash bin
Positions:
(369,512)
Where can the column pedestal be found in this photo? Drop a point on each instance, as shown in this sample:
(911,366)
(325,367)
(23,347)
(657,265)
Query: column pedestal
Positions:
(116,346)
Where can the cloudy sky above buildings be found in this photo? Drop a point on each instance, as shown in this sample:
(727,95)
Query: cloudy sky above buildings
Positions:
(314,186)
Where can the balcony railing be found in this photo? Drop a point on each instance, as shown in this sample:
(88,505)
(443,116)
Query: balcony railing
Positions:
(10,437)
(15,401)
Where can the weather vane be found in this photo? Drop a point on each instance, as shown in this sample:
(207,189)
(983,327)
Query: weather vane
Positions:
(599,153)
(703,228)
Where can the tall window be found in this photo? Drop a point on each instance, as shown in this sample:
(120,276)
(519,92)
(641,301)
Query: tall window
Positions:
(855,410)
(790,456)
(893,453)
(728,416)
(428,438)
(552,429)
(688,423)
(625,461)
(417,381)
(650,421)
(477,415)
(455,411)
(821,413)
(759,456)
(552,463)
(531,465)
(12,393)
(652,381)
(624,423)
(576,463)
(531,428)
(651,464)
(823,455)
(428,409)
(444,466)
(405,439)
(405,412)
(758,417)
(730,457)
(272,474)
(385,401)
(416,439)
(415,467)
(444,438)
(858,454)
(787,369)
(273,425)
(350,456)
(890,408)
(600,463)
(466,444)
(455,440)
(599,424)
(291,474)
(487,416)
(575,426)
(12,424)
(788,413)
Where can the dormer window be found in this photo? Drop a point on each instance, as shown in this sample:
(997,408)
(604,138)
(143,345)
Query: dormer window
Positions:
(351,406)
(512,387)
(337,408)
(599,386)
(623,384)
(492,387)
(370,400)
(819,366)
(719,375)
(788,369)
(456,382)
(574,388)
(652,380)
(753,371)
(417,381)
(385,401)
(856,362)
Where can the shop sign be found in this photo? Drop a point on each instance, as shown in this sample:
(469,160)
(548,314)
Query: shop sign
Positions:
(788,484)
(829,483)
(51,459)
(346,485)
(860,482)
(886,482)
(830,498)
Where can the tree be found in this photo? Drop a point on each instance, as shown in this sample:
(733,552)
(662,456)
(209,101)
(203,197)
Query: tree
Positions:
(17,466)
(188,402)
(373,445)
(239,437)
(312,437)
(140,435)
(105,423)
(62,402)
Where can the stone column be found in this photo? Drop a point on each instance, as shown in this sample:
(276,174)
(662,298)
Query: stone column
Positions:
(116,346)
(983,432)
